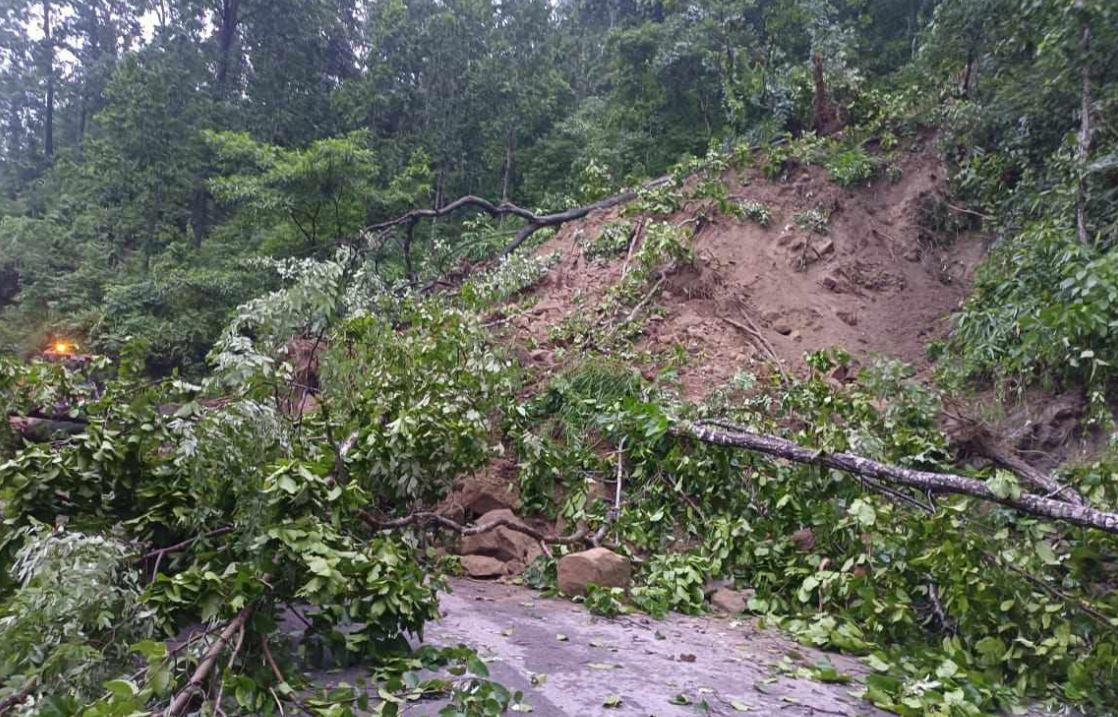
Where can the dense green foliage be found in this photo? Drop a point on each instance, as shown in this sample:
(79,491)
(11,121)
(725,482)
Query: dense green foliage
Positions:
(187,187)
(172,514)
(959,610)
(150,149)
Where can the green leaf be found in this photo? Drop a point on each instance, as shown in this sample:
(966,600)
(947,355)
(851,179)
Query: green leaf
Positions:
(863,512)
(1004,485)
(122,688)
(612,702)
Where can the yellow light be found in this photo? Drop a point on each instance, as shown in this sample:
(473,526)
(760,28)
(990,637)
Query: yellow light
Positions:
(61,347)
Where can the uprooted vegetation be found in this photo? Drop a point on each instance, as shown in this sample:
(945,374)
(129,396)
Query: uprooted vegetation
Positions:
(211,520)
(769,378)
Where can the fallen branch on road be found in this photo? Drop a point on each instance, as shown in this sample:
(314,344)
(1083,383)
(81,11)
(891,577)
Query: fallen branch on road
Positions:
(726,434)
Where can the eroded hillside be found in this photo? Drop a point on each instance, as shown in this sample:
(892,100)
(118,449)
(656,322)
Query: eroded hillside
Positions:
(860,268)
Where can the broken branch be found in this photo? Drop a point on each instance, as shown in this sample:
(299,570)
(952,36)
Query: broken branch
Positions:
(721,433)
(182,700)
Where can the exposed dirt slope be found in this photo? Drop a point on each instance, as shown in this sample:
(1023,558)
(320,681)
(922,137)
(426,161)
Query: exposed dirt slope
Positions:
(878,282)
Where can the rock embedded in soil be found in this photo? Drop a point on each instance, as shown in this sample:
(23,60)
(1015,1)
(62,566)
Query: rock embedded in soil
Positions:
(600,566)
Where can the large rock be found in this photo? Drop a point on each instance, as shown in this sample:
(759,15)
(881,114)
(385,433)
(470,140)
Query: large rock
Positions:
(503,543)
(482,566)
(730,601)
(492,487)
(597,565)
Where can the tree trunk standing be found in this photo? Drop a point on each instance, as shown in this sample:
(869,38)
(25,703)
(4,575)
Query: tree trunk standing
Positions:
(226,34)
(409,234)
(48,47)
(1083,141)
(825,119)
(508,166)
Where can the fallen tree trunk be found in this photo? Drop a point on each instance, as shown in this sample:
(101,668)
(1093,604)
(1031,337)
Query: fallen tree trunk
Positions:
(535,222)
(725,434)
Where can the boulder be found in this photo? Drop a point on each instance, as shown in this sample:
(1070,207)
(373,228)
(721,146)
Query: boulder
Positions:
(482,566)
(600,566)
(503,543)
(730,601)
(474,495)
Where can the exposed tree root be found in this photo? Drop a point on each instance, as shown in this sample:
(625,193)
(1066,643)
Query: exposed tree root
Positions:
(975,438)
(725,434)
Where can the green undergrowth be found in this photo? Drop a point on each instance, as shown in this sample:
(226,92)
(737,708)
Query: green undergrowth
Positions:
(176,512)
(962,610)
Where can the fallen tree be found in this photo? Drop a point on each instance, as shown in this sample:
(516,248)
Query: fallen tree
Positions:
(535,222)
(727,434)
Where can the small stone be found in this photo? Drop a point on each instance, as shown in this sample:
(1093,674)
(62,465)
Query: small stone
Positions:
(782,328)
(825,247)
(848,317)
(482,566)
(600,566)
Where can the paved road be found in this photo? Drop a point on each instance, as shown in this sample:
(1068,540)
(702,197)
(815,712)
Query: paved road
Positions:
(569,662)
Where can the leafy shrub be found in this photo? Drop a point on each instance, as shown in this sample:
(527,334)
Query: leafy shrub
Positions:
(672,581)
(74,614)
(611,241)
(421,389)
(514,274)
(755,210)
(850,167)
(607,602)
(1041,309)
(661,200)
(812,220)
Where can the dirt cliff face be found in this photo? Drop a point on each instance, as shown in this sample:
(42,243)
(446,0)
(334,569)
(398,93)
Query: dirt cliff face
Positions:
(871,279)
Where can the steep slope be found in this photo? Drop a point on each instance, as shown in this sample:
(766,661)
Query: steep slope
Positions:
(869,276)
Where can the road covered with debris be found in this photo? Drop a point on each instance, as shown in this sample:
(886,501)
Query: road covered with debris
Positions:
(567,661)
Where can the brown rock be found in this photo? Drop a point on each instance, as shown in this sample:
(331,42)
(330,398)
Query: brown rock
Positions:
(482,566)
(803,539)
(502,543)
(597,565)
(474,495)
(848,317)
(730,601)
